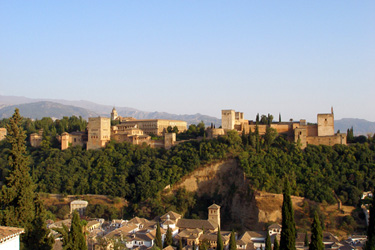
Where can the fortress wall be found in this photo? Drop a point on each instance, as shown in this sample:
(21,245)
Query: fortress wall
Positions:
(3,133)
(312,130)
(327,140)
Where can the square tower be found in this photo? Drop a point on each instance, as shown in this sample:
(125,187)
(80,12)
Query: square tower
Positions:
(214,214)
(228,118)
(99,132)
(326,125)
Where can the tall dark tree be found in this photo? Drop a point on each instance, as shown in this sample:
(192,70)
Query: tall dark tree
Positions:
(370,244)
(306,240)
(17,196)
(279,117)
(76,238)
(39,235)
(288,232)
(316,242)
(19,204)
(276,245)
(268,242)
(179,247)
(232,241)
(158,240)
(220,245)
(168,238)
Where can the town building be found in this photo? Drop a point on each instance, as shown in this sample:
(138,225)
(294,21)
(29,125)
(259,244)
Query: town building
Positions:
(10,238)
(78,205)
(36,139)
(73,139)
(300,132)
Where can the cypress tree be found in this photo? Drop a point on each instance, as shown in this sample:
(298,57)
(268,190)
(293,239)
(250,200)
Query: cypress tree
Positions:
(39,235)
(168,238)
(158,240)
(276,244)
(194,245)
(306,240)
(370,244)
(76,238)
(232,241)
(316,234)
(268,242)
(179,247)
(219,241)
(279,117)
(288,232)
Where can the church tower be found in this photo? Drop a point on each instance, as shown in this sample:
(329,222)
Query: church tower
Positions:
(214,213)
(114,114)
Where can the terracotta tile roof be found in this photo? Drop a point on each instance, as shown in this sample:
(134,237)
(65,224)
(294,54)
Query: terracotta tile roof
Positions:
(274,226)
(215,206)
(7,233)
(213,236)
(121,231)
(92,223)
(169,248)
(137,220)
(172,216)
(257,234)
(190,223)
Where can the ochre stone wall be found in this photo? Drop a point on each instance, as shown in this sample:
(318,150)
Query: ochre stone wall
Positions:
(227,119)
(3,133)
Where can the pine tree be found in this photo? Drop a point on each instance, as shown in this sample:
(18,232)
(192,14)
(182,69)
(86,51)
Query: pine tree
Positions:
(219,241)
(306,240)
(288,232)
(370,244)
(17,196)
(168,238)
(268,242)
(276,244)
(158,240)
(232,242)
(39,235)
(76,238)
(316,234)
(19,204)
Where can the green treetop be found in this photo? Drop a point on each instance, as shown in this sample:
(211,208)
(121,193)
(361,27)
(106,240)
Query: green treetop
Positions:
(370,244)
(288,232)
(268,242)
(168,238)
(158,240)
(220,245)
(76,238)
(276,244)
(232,242)
(316,234)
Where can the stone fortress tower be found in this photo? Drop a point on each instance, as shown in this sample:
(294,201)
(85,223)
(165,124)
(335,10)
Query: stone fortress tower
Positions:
(99,132)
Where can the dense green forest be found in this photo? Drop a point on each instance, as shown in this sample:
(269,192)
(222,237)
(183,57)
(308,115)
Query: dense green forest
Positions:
(137,173)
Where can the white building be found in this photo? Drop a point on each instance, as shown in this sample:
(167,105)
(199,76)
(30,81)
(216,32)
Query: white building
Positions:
(10,238)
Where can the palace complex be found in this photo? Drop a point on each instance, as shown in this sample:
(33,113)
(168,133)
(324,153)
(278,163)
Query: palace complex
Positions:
(300,132)
(128,129)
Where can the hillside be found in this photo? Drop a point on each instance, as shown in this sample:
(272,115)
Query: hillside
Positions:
(245,209)
(88,108)
(360,126)
(38,110)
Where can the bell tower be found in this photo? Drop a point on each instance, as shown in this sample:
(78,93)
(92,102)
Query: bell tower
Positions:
(114,114)
(214,213)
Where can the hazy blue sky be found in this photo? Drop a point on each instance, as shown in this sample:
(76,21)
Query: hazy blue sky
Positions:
(294,57)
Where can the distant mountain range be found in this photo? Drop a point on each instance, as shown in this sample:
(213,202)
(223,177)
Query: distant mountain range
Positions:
(39,108)
(360,126)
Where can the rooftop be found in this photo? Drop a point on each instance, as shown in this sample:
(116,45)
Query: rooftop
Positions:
(7,233)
